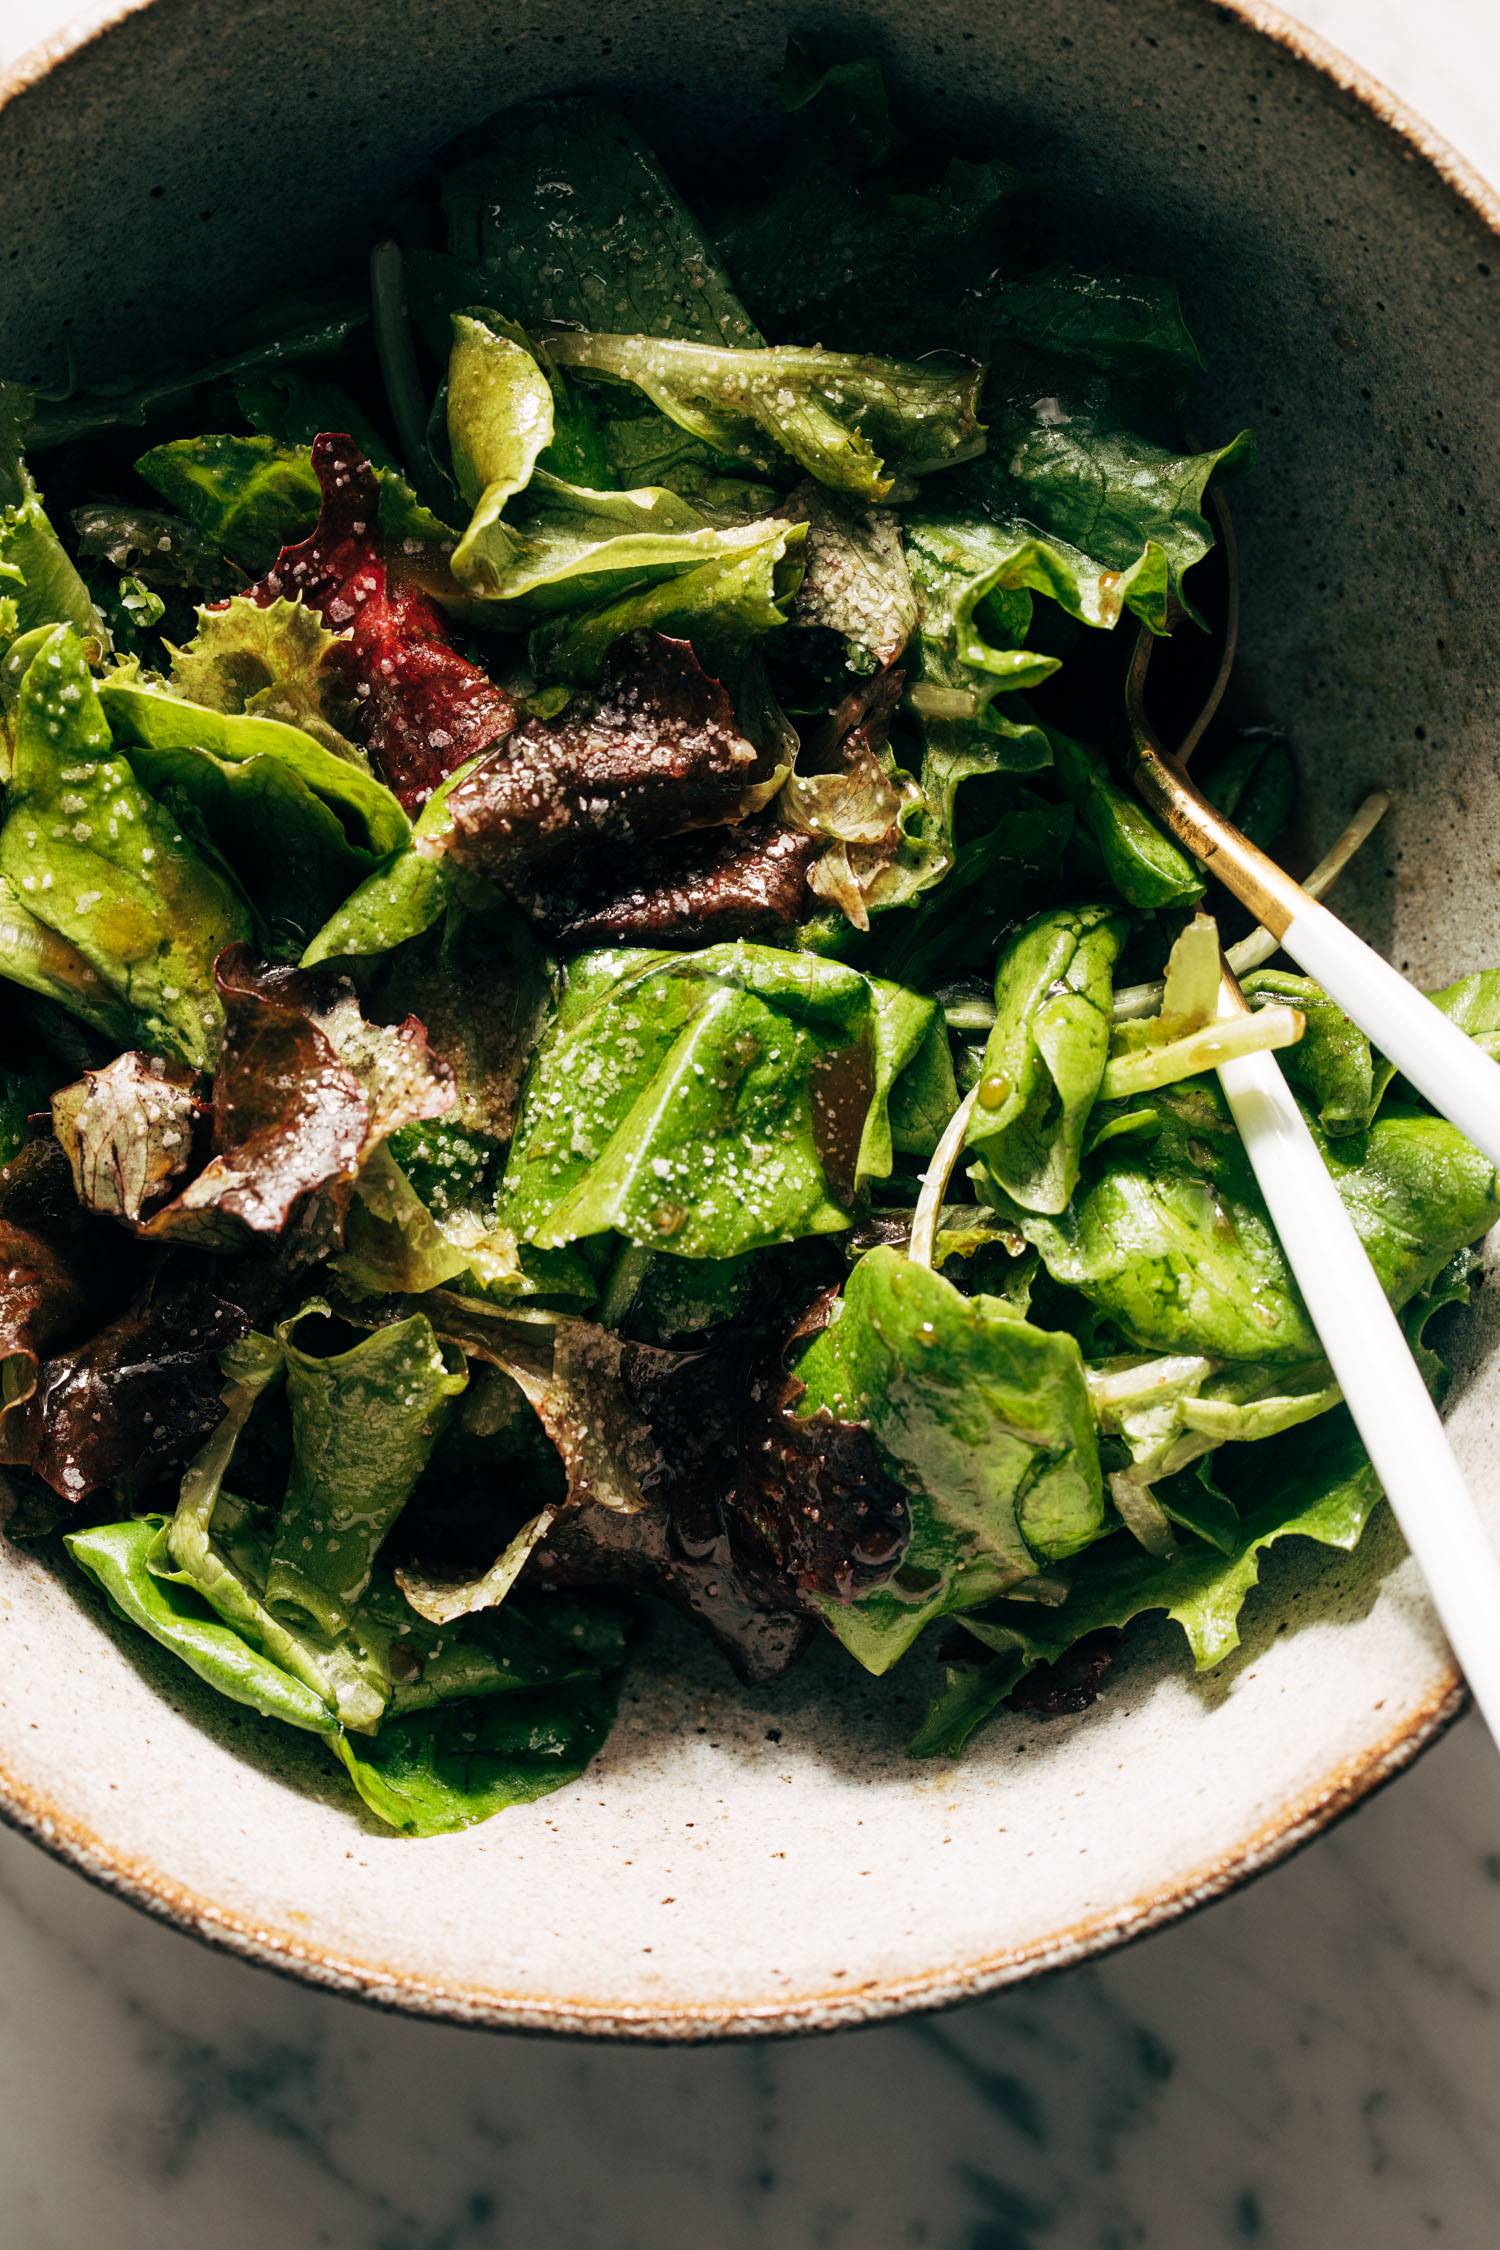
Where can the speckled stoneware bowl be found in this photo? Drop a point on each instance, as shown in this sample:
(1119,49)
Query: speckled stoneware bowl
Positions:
(741,1862)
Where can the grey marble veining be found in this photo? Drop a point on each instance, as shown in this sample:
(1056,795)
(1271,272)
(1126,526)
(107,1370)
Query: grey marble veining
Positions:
(1317,2061)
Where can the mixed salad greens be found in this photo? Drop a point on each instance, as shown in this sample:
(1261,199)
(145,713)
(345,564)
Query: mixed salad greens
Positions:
(589,1012)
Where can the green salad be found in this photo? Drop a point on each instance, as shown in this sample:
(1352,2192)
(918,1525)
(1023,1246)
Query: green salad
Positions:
(590,1018)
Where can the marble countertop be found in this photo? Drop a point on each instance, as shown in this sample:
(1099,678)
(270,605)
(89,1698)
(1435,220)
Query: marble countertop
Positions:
(1315,2060)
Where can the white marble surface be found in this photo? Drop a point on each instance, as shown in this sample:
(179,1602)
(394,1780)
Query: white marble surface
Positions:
(1315,2061)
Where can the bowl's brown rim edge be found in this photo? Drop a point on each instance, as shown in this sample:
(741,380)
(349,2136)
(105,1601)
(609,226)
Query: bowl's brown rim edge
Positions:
(1295,1823)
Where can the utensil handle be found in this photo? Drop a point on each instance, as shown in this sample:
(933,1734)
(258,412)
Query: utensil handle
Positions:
(1458,1078)
(1369,1355)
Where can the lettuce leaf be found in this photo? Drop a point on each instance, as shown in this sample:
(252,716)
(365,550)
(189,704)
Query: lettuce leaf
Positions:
(268,660)
(404,897)
(249,495)
(500,421)
(118,1557)
(570,219)
(1167,1233)
(443,1770)
(721,606)
(364,1425)
(304,1092)
(161,731)
(560,546)
(1120,323)
(94,857)
(1045,1058)
(1324,1489)
(988,1420)
(712,1102)
(856,424)
(39,583)
(300,333)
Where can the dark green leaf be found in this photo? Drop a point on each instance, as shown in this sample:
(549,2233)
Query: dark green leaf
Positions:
(712,1102)
(1252,779)
(364,1424)
(443,1770)
(1145,867)
(1168,1235)
(1121,323)
(570,219)
(155,547)
(1046,1053)
(130,404)
(1331,1064)
(856,424)
(91,855)
(988,1420)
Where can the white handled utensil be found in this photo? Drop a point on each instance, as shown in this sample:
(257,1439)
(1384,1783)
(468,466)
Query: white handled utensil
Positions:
(1372,1360)
(1456,1076)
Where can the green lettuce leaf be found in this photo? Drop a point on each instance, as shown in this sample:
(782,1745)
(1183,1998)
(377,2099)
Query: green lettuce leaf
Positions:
(118,1557)
(1473,1003)
(1145,867)
(210,1546)
(442,1771)
(856,583)
(250,495)
(364,1425)
(722,606)
(986,1418)
(855,424)
(38,958)
(570,219)
(39,583)
(271,660)
(155,725)
(299,826)
(95,858)
(848,249)
(401,899)
(1332,1064)
(1324,1489)
(1168,1236)
(1045,1058)
(561,546)
(1121,323)
(1068,506)
(500,421)
(712,1102)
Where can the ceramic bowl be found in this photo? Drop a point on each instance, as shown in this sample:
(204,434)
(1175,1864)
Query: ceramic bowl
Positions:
(741,1862)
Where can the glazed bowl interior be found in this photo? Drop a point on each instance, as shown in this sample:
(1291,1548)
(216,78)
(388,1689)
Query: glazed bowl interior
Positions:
(739,1861)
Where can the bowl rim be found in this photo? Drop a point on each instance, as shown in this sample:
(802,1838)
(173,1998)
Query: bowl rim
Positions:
(1295,1823)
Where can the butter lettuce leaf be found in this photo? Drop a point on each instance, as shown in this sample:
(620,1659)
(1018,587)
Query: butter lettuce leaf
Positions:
(89,853)
(118,1557)
(1167,1233)
(856,424)
(1045,1058)
(986,1418)
(570,219)
(714,1102)
(1323,1488)
(441,1771)
(364,1425)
